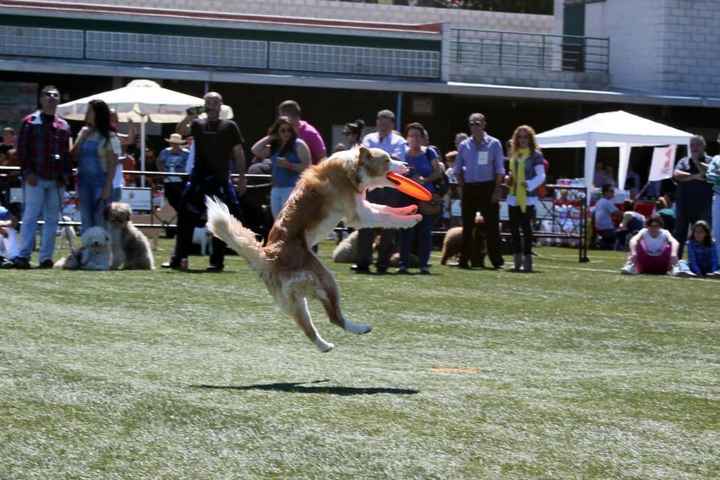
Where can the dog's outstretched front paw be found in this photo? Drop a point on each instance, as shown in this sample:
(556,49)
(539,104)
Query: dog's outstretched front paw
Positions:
(409,210)
(323,346)
(359,328)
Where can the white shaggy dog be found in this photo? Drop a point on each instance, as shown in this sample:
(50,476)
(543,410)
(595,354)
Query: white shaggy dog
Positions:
(94,254)
(202,237)
(325,194)
(130,248)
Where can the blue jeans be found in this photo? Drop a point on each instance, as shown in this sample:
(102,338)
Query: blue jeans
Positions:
(42,199)
(92,206)
(716,221)
(278,198)
(423,230)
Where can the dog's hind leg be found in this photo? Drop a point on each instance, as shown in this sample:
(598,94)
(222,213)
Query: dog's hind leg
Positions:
(298,309)
(328,293)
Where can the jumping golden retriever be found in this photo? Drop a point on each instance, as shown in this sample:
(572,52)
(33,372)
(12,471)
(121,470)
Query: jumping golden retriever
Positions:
(326,193)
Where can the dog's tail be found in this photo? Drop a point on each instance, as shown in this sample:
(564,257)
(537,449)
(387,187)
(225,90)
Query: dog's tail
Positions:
(228,229)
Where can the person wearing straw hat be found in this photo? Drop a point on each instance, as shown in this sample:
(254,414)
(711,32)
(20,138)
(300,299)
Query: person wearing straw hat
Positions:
(174,159)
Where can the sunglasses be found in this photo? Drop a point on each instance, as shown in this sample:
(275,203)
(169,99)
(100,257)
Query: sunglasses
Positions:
(476,124)
(52,94)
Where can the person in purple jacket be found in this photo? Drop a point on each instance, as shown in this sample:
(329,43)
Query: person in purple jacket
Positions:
(305,132)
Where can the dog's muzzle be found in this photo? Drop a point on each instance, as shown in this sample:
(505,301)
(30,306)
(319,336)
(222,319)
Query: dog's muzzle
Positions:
(397,169)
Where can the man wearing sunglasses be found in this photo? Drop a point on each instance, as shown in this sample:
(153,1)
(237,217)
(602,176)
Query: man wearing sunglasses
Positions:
(479,169)
(43,153)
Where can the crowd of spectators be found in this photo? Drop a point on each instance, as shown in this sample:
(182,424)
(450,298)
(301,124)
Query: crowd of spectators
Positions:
(467,185)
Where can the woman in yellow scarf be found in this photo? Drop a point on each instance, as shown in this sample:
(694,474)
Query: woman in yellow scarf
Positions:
(527,173)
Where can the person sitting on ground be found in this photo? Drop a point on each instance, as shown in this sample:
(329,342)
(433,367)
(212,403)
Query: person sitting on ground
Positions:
(632,222)
(653,250)
(8,238)
(603,213)
(702,258)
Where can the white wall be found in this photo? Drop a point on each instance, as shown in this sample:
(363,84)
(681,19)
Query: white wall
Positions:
(595,20)
(690,45)
(635,43)
(667,47)
(353,11)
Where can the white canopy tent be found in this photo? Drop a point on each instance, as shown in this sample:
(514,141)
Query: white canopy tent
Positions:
(618,129)
(141,101)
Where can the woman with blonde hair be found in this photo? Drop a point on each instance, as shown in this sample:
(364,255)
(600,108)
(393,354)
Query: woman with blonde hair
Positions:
(527,173)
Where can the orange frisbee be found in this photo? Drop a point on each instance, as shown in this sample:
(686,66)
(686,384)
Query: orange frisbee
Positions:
(409,187)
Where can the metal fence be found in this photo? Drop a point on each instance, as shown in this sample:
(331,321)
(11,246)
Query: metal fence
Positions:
(220,53)
(532,50)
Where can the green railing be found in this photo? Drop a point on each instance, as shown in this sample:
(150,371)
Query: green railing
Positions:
(529,50)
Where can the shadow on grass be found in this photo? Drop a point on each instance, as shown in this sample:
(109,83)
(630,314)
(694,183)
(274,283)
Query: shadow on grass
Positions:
(307,387)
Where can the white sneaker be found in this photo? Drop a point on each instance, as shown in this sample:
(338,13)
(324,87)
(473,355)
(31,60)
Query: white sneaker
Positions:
(629,269)
(679,271)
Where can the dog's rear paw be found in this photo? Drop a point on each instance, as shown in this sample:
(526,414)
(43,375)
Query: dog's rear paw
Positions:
(359,328)
(323,346)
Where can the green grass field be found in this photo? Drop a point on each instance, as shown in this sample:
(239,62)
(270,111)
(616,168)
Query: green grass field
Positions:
(573,372)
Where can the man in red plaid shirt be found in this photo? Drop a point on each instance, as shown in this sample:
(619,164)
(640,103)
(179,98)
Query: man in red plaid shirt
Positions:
(43,153)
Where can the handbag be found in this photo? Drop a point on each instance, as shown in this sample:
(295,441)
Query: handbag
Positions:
(442,184)
(431,207)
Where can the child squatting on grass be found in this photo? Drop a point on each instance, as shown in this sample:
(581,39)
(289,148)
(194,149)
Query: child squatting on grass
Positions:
(8,237)
(702,258)
(653,250)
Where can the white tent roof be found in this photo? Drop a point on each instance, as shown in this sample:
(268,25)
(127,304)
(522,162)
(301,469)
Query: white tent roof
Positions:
(613,129)
(138,98)
(618,129)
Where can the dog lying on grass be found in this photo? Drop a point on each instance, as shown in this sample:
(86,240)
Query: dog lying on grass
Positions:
(94,254)
(453,243)
(326,193)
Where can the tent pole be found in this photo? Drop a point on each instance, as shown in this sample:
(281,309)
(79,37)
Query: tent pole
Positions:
(623,165)
(142,149)
(590,156)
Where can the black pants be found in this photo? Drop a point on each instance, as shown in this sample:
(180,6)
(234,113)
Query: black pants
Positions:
(366,236)
(388,236)
(687,216)
(522,241)
(173,194)
(478,197)
(192,214)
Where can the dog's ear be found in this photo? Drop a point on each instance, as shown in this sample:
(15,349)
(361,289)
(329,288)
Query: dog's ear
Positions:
(364,155)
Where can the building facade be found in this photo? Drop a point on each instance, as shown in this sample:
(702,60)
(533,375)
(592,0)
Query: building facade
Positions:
(345,60)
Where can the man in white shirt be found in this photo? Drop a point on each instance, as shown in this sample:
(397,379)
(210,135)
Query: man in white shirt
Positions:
(394,144)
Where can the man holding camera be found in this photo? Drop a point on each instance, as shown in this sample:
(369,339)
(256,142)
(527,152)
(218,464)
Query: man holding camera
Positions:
(217,150)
